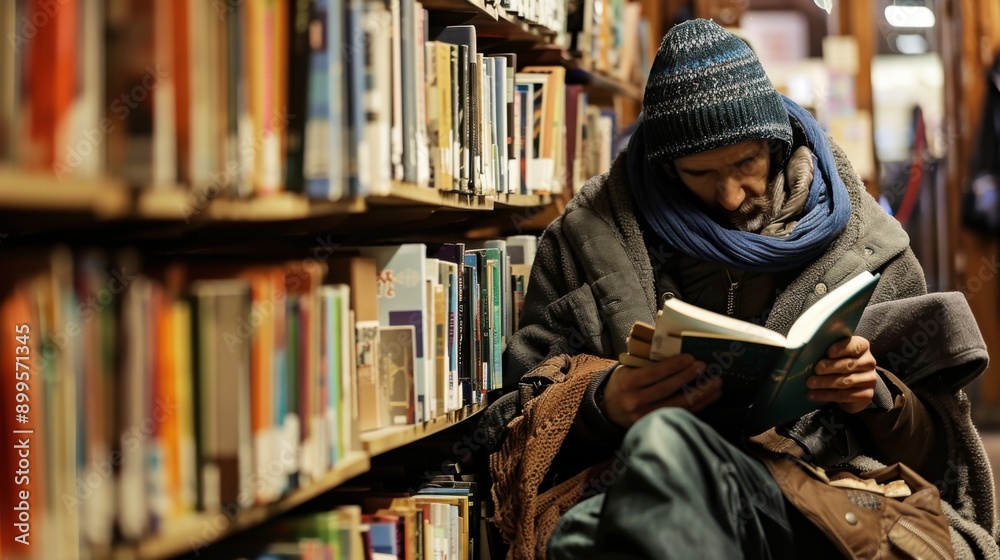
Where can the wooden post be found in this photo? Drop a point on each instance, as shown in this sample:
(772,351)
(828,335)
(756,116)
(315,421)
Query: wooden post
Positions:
(969,32)
(857,19)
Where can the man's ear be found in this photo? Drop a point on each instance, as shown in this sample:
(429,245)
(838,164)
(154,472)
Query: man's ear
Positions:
(779,153)
(670,168)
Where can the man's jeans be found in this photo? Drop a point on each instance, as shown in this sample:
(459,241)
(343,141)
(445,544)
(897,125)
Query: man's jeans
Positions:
(685,493)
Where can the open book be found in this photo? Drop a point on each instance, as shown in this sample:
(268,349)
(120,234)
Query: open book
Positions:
(759,367)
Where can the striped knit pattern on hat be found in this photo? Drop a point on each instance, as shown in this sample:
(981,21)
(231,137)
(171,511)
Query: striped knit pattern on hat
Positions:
(707,90)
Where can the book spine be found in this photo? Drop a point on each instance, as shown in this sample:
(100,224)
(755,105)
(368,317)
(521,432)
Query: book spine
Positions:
(407,27)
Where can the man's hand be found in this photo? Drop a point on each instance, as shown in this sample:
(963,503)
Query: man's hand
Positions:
(631,393)
(847,377)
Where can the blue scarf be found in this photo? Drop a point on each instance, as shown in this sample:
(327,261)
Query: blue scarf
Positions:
(678,217)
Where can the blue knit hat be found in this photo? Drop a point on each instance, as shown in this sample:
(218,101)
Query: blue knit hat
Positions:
(707,90)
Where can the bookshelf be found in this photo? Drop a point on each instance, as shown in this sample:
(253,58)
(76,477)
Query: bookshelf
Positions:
(178,540)
(381,441)
(397,157)
(101,199)
(107,201)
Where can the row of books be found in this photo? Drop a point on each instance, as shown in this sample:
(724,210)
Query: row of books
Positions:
(333,98)
(441,520)
(162,389)
(612,37)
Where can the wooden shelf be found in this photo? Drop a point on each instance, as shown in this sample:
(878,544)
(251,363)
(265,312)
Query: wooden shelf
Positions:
(185,536)
(44,192)
(178,204)
(517,29)
(38,204)
(188,535)
(477,7)
(377,442)
(406,194)
(523,200)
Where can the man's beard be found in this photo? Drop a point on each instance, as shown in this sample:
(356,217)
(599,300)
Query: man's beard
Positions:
(755,212)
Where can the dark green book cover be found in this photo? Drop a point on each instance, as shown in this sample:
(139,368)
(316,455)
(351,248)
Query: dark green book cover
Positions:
(770,379)
(782,397)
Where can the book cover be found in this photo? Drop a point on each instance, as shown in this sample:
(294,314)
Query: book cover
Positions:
(783,395)
(397,357)
(760,368)
(402,300)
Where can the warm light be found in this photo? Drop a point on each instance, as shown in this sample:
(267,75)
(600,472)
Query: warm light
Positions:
(909,16)
(911,44)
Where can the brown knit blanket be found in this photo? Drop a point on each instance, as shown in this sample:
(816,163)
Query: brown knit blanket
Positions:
(525,518)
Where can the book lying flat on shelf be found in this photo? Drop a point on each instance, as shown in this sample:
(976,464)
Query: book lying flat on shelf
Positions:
(753,360)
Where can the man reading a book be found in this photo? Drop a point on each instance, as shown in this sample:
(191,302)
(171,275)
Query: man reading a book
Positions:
(730,197)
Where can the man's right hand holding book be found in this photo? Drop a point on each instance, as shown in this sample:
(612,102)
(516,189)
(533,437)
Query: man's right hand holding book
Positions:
(633,392)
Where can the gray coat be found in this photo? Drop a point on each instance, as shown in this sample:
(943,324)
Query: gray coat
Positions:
(593,278)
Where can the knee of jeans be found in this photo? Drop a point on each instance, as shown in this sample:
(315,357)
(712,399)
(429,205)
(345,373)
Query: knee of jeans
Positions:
(666,421)
(669,434)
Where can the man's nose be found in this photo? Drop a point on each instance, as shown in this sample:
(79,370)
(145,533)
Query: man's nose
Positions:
(730,193)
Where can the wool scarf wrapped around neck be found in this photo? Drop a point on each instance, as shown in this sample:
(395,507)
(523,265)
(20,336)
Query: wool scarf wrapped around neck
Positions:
(678,217)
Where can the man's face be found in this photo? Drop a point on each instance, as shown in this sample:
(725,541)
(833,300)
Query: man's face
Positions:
(731,181)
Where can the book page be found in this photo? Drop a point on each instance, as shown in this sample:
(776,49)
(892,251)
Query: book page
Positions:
(678,317)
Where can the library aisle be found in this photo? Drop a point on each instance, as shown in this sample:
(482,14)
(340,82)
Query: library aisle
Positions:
(261,259)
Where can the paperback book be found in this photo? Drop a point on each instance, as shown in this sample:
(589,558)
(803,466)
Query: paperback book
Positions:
(753,360)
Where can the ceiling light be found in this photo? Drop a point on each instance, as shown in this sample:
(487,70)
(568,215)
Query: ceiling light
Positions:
(911,44)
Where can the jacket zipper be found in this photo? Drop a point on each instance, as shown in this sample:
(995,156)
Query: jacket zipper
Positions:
(731,296)
(922,536)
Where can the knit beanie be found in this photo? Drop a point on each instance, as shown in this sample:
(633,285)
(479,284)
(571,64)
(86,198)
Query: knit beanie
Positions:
(707,90)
